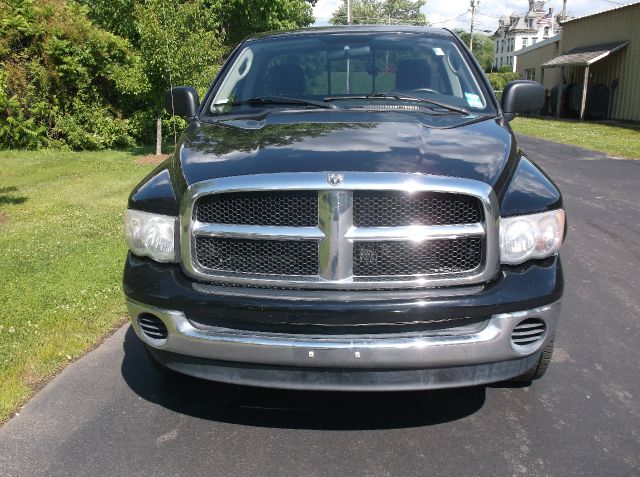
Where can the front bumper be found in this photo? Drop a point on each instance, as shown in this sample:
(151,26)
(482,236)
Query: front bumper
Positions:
(474,351)
(484,343)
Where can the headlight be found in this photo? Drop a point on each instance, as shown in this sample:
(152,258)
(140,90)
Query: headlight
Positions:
(151,235)
(525,237)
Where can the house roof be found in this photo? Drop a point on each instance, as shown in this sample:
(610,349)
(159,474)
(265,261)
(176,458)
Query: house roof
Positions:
(634,4)
(585,55)
(540,44)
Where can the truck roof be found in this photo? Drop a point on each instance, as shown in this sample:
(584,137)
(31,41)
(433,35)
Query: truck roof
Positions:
(353,29)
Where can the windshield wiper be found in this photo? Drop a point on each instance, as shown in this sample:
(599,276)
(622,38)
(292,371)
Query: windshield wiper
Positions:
(402,97)
(278,100)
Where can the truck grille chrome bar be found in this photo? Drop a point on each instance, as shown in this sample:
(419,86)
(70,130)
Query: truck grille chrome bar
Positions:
(444,233)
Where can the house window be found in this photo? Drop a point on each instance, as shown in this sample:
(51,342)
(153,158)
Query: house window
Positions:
(534,40)
(530,74)
(525,42)
(497,46)
(546,31)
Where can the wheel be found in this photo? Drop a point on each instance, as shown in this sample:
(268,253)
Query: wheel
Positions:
(538,369)
(158,366)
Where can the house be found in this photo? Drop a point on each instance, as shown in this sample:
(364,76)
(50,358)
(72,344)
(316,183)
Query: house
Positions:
(596,67)
(522,30)
(531,58)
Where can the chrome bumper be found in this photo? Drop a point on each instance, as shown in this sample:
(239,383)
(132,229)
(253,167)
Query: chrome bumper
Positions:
(489,343)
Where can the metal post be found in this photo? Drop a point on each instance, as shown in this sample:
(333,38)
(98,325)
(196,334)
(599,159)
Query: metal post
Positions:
(545,108)
(349,13)
(560,91)
(585,85)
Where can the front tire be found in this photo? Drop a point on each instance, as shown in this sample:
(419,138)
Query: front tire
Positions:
(537,370)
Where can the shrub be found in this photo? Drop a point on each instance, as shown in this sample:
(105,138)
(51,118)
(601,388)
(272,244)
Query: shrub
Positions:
(499,80)
(65,82)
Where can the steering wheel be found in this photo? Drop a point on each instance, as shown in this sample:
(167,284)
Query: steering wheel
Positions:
(425,90)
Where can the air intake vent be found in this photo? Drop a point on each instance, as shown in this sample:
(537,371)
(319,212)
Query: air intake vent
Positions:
(152,326)
(528,332)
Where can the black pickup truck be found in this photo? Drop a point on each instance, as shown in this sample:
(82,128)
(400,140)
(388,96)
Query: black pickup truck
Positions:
(348,209)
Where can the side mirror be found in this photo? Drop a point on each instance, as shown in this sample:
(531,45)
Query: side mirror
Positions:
(522,96)
(182,101)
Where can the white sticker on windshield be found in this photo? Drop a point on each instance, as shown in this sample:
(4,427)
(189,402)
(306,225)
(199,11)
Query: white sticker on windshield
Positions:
(438,51)
(473,100)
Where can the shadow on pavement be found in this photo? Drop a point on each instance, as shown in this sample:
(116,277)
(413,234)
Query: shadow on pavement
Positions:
(293,409)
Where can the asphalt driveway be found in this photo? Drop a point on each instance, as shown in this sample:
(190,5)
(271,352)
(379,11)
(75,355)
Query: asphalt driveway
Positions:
(110,413)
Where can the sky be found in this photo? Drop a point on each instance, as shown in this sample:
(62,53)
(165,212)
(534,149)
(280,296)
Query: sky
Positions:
(455,13)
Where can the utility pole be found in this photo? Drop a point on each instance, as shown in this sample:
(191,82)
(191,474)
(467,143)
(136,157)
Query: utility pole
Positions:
(564,10)
(349,13)
(474,4)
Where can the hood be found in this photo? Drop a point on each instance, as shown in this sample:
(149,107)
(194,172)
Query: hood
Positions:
(319,140)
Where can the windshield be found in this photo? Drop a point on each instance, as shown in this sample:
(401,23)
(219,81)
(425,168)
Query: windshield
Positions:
(350,70)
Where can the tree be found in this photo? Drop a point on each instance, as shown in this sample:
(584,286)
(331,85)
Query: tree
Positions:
(483,46)
(381,12)
(92,73)
(63,80)
(179,44)
(241,18)
(184,41)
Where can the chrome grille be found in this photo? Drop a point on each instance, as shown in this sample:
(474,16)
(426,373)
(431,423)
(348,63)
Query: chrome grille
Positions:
(408,258)
(291,208)
(397,208)
(363,230)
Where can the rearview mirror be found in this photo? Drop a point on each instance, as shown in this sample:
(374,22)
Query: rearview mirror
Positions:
(522,96)
(182,101)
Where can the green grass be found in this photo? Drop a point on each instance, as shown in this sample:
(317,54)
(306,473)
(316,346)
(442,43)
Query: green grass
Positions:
(613,139)
(61,257)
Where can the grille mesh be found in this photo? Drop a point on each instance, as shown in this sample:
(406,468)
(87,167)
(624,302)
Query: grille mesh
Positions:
(271,257)
(394,208)
(289,208)
(408,258)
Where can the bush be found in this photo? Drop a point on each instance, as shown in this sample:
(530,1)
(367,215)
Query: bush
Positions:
(63,81)
(499,80)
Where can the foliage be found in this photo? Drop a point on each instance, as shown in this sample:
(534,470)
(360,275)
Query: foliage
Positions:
(178,42)
(483,46)
(505,69)
(499,80)
(240,18)
(381,12)
(61,251)
(63,81)
(90,74)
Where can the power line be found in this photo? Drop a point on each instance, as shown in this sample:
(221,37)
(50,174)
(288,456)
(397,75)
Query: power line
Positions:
(450,19)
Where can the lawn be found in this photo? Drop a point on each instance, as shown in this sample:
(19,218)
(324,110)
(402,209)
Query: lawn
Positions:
(61,257)
(615,140)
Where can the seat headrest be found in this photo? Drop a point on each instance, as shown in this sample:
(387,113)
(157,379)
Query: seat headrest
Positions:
(412,74)
(286,80)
